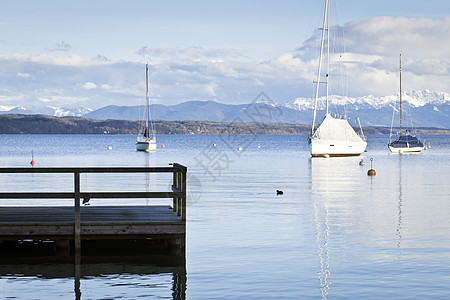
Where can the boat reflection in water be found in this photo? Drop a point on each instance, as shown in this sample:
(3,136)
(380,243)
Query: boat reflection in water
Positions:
(133,273)
(333,182)
(400,204)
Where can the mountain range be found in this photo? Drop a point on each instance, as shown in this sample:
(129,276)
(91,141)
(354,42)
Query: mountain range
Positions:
(46,110)
(420,108)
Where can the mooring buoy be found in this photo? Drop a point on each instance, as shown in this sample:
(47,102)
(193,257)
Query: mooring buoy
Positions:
(32,159)
(371,172)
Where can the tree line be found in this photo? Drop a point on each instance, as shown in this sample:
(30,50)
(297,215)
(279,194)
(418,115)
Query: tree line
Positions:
(43,124)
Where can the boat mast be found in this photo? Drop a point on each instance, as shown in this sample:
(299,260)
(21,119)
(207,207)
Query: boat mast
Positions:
(328,55)
(320,66)
(146,133)
(400,94)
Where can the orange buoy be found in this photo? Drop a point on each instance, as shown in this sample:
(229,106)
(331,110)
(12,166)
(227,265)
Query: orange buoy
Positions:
(371,172)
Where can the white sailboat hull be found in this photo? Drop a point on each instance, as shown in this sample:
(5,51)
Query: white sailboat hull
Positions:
(145,144)
(324,147)
(405,149)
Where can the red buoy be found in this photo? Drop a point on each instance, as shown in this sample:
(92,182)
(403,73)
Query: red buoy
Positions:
(32,159)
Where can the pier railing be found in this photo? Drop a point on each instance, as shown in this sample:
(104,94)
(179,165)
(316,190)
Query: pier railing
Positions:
(178,193)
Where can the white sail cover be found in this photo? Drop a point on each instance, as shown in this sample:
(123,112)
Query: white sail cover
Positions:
(335,137)
(336,129)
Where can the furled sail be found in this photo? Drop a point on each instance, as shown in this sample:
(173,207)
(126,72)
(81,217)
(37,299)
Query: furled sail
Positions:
(336,129)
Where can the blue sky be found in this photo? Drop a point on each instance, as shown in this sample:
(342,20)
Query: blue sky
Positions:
(92,53)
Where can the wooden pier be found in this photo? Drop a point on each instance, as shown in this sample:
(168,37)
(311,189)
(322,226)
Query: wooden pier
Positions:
(66,225)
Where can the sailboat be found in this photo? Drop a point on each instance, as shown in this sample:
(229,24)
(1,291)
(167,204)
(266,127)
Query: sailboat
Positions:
(144,142)
(405,141)
(333,137)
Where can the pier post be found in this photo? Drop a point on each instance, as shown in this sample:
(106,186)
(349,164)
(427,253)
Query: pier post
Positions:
(174,188)
(183,190)
(179,187)
(77,212)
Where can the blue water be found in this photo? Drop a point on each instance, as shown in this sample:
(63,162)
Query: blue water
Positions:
(335,233)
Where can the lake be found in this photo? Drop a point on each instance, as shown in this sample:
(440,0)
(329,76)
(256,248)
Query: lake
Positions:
(335,233)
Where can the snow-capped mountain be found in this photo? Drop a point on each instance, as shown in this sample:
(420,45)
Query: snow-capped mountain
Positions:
(425,109)
(422,108)
(47,110)
(414,99)
(5,108)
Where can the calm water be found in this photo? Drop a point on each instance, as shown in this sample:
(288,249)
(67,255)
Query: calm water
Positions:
(336,233)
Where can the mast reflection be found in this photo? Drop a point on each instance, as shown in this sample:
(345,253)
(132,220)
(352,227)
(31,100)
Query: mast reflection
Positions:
(399,206)
(334,183)
(319,178)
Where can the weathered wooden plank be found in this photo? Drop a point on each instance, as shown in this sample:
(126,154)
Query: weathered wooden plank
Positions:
(129,194)
(132,229)
(88,214)
(37,195)
(31,230)
(106,195)
(49,230)
(90,170)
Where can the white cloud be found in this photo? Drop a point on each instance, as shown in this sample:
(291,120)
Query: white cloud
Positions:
(45,59)
(62,46)
(372,53)
(7,98)
(195,73)
(421,38)
(23,75)
(191,53)
(89,86)
(64,101)
(43,99)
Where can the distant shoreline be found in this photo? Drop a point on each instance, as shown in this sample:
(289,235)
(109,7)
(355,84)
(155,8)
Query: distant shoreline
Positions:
(43,124)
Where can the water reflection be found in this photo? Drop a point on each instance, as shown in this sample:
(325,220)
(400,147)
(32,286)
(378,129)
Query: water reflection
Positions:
(136,274)
(333,181)
(323,249)
(399,206)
